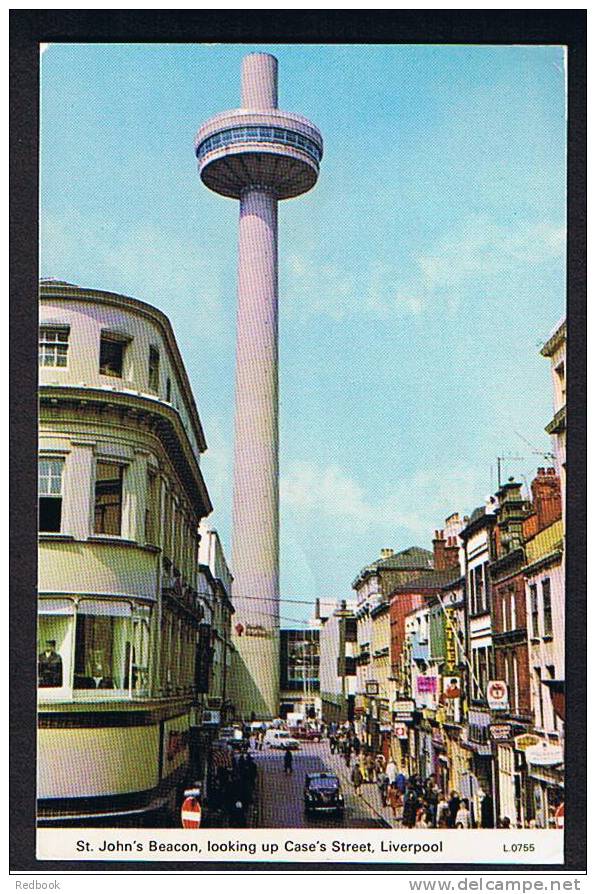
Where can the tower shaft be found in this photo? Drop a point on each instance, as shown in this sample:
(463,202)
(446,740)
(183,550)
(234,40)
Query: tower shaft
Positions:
(255,547)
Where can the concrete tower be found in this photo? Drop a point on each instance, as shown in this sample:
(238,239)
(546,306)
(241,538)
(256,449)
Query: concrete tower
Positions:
(257,154)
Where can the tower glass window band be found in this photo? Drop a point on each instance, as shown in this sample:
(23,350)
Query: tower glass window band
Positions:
(259,134)
(53,345)
(50,494)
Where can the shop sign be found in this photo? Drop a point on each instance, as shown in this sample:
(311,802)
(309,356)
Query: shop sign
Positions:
(372,687)
(400,730)
(426,685)
(256,630)
(450,640)
(500,730)
(385,728)
(403,706)
(497,695)
(437,738)
(527,740)
(451,687)
(544,755)
(384,715)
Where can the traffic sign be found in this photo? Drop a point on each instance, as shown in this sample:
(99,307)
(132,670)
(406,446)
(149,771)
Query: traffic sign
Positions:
(191,813)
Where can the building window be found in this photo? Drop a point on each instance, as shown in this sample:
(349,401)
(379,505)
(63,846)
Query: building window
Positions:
(50,495)
(153,369)
(534,610)
(108,498)
(539,702)
(512,612)
(53,345)
(151,508)
(479,589)
(504,609)
(168,389)
(111,355)
(547,611)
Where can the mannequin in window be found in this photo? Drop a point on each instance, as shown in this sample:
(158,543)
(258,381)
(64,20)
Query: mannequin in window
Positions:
(97,677)
(49,665)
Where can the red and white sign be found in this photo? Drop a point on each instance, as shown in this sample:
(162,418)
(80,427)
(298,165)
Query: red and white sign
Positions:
(497,695)
(400,730)
(191,813)
(560,816)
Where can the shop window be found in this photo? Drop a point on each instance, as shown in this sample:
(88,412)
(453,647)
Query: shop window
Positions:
(53,345)
(50,494)
(112,349)
(153,369)
(547,611)
(53,633)
(108,498)
(111,650)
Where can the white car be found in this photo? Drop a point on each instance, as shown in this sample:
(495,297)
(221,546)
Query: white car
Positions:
(279,738)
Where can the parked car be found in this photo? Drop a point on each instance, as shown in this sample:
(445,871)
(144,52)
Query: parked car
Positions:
(280,738)
(322,791)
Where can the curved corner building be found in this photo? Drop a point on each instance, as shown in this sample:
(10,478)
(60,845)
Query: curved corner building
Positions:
(257,154)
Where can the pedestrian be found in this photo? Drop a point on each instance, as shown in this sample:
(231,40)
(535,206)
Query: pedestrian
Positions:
(442,815)
(410,808)
(357,745)
(357,778)
(454,803)
(348,754)
(463,819)
(395,800)
(400,781)
(237,814)
(379,764)
(288,761)
(382,785)
(370,768)
(391,770)
(332,743)
(487,818)
(422,820)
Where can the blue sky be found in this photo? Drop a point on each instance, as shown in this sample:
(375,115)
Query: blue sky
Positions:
(417,280)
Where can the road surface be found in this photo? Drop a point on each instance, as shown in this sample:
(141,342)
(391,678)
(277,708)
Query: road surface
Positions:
(280,795)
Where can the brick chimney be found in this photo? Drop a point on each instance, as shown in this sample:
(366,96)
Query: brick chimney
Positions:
(386,553)
(446,551)
(546,497)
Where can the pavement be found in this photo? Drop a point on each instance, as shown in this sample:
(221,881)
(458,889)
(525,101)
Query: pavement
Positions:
(280,800)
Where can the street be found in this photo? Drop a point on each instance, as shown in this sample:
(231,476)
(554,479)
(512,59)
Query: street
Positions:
(280,795)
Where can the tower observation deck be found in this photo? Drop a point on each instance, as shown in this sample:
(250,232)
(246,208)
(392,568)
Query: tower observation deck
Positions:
(259,155)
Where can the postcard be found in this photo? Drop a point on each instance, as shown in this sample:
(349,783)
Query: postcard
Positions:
(302,453)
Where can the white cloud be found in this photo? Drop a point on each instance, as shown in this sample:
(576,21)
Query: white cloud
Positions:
(332,493)
(475,256)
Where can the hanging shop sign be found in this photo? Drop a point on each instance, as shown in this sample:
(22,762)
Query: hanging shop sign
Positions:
(497,695)
(372,687)
(256,630)
(426,684)
(500,731)
(544,754)
(450,641)
(403,706)
(451,687)
(400,730)
(526,740)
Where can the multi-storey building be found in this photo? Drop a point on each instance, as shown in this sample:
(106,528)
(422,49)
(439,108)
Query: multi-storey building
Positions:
(373,587)
(510,644)
(544,575)
(299,672)
(477,537)
(121,496)
(338,646)
(221,694)
(555,349)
